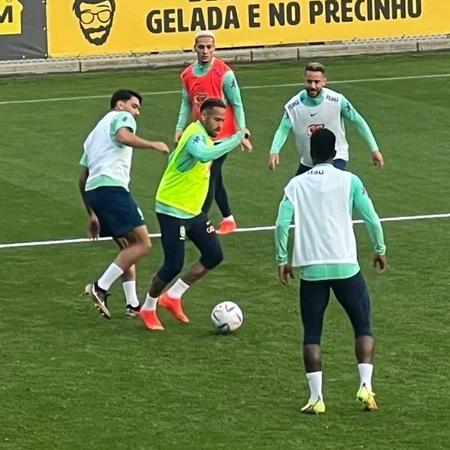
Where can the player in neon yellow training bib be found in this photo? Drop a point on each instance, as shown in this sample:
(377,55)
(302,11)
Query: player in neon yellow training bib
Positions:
(179,200)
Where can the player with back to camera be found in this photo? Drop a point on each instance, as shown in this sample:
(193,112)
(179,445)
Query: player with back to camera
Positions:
(321,201)
(319,107)
(179,199)
(211,77)
(104,180)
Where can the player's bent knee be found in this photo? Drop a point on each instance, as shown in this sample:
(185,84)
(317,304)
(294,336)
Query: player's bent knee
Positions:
(146,247)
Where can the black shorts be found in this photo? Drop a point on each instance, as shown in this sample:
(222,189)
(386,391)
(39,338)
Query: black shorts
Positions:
(351,293)
(175,231)
(116,210)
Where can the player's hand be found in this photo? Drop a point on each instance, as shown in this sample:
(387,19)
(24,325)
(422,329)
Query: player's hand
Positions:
(378,159)
(380,263)
(274,161)
(177,136)
(160,147)
(285,274)
(246,145)
(93,227)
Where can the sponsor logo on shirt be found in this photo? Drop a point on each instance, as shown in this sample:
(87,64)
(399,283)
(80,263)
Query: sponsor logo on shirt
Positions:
(293,104)
(200,98)
(314,127)
(331,99)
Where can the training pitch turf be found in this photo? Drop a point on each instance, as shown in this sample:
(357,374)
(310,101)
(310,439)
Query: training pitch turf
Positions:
(70,380)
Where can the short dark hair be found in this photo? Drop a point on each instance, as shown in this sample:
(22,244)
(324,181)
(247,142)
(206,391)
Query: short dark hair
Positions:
(315,67)
(211,103)
(77,3)
(124,95)
(323,145)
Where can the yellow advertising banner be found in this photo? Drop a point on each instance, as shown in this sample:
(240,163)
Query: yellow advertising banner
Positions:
(101,27)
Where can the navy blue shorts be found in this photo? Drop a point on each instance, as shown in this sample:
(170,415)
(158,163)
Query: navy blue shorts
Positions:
(116,210)
(175,231)
(351,293)
(338,163)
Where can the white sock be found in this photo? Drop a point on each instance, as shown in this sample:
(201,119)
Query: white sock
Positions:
(150,303)
(129,289)
(365,375)
(178,289)
(315,385)
(111,274)
(230,218)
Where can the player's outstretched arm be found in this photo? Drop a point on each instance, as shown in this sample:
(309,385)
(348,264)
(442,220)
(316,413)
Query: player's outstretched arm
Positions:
(198,148)
(126,137)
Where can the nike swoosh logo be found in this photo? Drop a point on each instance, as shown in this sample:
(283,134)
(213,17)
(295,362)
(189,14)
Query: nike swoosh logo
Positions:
(314,114)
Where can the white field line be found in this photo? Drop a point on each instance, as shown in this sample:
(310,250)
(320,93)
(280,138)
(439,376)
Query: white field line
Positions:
(239,230)
(266,86)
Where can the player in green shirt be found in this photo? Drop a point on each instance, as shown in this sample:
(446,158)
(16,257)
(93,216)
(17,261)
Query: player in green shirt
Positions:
(179,200)
(321,200)
(317,106)
(104,186)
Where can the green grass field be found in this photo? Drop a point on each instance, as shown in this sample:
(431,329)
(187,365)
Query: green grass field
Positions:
(70,380)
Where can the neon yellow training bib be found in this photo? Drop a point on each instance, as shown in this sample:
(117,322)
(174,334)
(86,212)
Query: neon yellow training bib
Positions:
(185,190)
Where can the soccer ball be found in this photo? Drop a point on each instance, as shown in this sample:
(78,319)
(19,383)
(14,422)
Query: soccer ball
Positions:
(227,317)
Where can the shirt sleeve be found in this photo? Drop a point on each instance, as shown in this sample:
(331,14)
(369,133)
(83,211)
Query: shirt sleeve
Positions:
(84,160)
(233,97)
(198,148)
(349,113)
(284,220)
(123,120)
(282,133)
(185,110)
(363,204)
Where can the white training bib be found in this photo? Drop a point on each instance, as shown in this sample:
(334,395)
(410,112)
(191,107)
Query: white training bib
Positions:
(323,222)
(307,119)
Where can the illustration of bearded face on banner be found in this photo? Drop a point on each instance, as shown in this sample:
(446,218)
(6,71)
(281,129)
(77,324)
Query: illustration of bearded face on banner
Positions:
(95,18)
